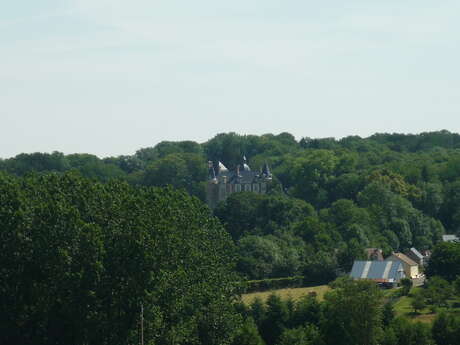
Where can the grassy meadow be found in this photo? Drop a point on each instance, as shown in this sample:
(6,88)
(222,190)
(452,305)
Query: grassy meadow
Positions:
(403,307)
(294,293)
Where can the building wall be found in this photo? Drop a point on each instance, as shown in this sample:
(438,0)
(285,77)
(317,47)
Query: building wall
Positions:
(217,192)
(414,271)
(409,271)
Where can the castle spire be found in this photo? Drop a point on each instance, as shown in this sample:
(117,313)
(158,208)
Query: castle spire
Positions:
(222,168)
(266,171)
(245,164)
(211,172)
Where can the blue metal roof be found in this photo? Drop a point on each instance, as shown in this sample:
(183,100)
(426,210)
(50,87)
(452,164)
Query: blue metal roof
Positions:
(391,271)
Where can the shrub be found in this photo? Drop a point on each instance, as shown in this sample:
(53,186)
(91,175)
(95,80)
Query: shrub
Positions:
(275,283)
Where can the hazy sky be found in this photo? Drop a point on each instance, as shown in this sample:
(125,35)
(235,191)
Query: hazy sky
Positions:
(111,76)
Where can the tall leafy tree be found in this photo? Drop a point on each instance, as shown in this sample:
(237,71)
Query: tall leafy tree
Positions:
(81,259)
(353,314)
(445,261)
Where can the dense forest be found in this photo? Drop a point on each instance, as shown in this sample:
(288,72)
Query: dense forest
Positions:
(84,262)
(329,200)
(123,250)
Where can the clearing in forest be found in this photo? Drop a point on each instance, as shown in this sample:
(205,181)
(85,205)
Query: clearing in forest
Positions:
(294,293)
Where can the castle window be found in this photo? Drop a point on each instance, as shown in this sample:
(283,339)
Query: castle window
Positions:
(255,187)
(263,188)
(247,187)
(237,187)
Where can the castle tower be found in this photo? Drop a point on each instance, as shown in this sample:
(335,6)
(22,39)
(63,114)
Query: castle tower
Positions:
(242,179)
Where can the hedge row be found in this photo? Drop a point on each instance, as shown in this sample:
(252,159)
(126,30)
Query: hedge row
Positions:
(275,283)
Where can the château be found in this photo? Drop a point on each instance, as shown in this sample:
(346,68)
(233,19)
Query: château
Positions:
(222,182)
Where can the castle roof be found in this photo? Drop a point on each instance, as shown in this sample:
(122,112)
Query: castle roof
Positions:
(266,170)
(241,176)
(222,168)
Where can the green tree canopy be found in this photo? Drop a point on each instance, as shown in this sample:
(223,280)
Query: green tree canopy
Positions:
(80,258)
(445,261)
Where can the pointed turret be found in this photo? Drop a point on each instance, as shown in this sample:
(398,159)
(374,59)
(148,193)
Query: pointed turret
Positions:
(211,173)
(245,164)
(238,173)
(266,171)
(222,168)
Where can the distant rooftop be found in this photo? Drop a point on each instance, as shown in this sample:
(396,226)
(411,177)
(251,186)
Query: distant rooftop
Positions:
(404,258)
(416,253)
(381,271)
(450,238)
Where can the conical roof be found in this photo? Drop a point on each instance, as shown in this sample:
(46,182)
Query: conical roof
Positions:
(222,168)
(266,171)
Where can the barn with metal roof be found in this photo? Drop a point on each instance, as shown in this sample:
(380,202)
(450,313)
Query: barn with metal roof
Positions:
(379,271)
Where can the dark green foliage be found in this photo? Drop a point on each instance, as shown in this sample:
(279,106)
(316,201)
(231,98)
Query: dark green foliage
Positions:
(92,167)
(184,170)
(456,285)
(388,313)
(352,251)
(258,311)
(446,329)
(418,301)
(274,283)
(37,162)
(438,291)
(445,261)
(306,311)
(80,258)
(248,334)
(450,210)
(229,148)
(423,141)
(352,314)
(405,332)
(250,213)
(77,257)
(271,256)
(276,319)
(308,335)
(320,268)
(328,201)
(406,285)
(166,148)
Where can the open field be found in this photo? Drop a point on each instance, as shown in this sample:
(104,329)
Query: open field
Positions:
(403,307)
(294,293)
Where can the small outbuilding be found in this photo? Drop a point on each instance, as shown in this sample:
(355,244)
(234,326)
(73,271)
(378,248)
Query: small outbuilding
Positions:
(416,256)
(374,254)
(450,238)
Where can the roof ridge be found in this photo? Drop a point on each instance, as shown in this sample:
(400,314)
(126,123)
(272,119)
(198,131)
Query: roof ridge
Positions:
(405,258)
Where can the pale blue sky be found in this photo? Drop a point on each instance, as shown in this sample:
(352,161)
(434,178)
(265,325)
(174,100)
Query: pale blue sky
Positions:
(110,76)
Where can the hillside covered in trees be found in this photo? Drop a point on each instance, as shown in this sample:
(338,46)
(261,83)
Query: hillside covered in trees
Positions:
(329,200)
(90,263)
(105,251)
